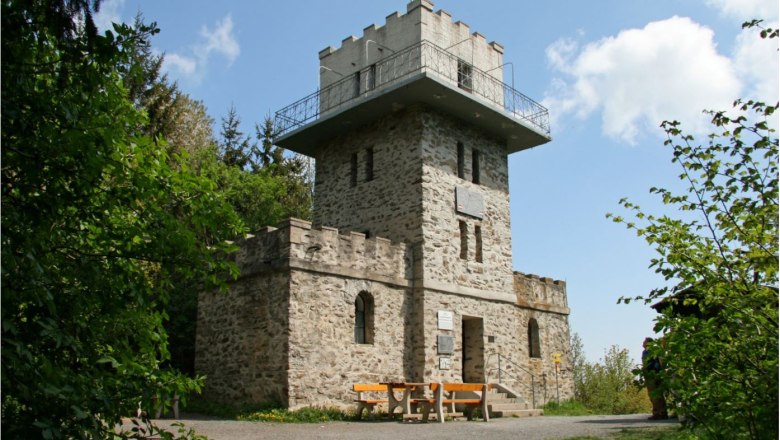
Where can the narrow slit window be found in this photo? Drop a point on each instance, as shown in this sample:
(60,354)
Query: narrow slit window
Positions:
(371,77)
(475,166)
(360,320)
(461,160)
(464,240)
(478,243)
(357,84)
(353,170)
(369,164)
(534,346)
(364,318)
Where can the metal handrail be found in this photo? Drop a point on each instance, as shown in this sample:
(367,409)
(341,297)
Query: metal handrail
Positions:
(520,367)
(421,57)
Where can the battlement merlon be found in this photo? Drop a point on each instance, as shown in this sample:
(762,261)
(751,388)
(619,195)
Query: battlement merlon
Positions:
(541,293)
(295,244)
(400,31)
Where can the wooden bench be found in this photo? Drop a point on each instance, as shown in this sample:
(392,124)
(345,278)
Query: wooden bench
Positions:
(444,395)
(372,400)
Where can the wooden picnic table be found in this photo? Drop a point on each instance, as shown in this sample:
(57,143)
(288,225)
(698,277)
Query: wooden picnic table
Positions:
(441,396)
(405,402)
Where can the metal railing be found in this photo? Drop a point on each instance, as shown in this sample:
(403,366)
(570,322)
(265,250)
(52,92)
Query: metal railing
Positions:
(503,372)
(422,57)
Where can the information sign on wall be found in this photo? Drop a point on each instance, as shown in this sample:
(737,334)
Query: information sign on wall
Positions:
(445,320)
(469,202)
(445,344)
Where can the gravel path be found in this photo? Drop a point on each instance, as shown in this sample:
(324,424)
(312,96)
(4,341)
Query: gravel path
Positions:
(532,428)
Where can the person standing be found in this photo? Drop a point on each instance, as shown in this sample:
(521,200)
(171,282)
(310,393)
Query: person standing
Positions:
(651,368)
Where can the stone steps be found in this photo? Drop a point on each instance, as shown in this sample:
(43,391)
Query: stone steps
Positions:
(501,404)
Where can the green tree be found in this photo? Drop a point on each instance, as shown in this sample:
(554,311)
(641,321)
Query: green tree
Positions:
(720,258)
(96,229)
(268,154)
(235,148)
(147,88)
(608,386)
(578,366)
(191,128)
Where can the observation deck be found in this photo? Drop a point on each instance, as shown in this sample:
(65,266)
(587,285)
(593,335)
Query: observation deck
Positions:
(421,73)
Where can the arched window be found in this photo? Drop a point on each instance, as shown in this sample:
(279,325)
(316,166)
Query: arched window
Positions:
(364,318)
(534,347)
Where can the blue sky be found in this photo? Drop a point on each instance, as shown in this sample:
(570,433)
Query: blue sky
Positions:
(609,71)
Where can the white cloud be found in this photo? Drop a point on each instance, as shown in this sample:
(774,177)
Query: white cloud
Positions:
(185,66)
(755,59)
(109,13)
(747,9)
(669,69)
(219,41)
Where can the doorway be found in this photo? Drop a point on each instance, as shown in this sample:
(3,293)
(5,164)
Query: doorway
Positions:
(473,356)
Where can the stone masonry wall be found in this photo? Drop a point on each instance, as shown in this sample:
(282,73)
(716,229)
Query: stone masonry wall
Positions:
(242,340)
(389,205)
(324,358)
(251,343)
(505,332)
(540,292)
(442,246)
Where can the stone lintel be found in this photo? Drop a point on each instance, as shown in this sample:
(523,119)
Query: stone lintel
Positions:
(455,289)
(551,308)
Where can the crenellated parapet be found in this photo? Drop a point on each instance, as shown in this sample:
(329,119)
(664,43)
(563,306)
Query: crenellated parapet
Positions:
(400,31)
(295,244)
(541,293)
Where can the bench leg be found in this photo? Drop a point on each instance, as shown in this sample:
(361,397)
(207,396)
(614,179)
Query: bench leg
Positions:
(425,407)
(485,412)
(360,408)
(439,405)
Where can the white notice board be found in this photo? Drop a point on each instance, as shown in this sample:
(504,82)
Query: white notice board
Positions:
(445,320)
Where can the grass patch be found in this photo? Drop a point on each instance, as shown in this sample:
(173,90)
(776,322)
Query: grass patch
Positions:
(227,411)
(303,415)
(269,412)
(567,408)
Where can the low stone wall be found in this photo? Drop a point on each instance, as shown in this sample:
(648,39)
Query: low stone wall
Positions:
(541,293)
(242,340)
(324,359)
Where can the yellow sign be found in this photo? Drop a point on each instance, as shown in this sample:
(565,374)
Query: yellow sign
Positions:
(556,358)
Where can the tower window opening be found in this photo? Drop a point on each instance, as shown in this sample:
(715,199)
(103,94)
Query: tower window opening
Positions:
(475,166)
(464,240)
(478,243)
(465,76)
(356,91)
(461,160)
(369,164)
(353,170)
(534,347)
(371,77)
(364,318)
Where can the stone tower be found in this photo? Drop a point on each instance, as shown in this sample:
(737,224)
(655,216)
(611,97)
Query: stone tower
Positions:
(411,144)
(406,269)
